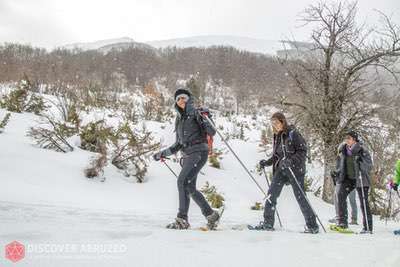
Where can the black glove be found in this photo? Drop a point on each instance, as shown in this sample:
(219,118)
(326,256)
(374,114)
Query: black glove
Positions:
(158,156)
(286,163)
(395,187)
(205,112)
(263,163)
(334,174)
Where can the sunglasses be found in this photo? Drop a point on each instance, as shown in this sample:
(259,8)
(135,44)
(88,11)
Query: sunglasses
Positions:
(181,98)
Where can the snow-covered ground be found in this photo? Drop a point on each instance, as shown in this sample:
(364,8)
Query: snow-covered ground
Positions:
(60,216)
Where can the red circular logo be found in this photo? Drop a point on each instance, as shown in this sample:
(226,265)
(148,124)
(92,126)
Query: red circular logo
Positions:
(15,251)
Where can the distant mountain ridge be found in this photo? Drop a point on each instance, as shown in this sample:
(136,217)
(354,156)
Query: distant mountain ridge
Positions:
(108,44)
(241,43)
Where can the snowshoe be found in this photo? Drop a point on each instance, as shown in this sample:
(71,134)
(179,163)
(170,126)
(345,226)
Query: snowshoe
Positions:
(396,232)
(340,229)
(262,226)
(342,225)
(179,224)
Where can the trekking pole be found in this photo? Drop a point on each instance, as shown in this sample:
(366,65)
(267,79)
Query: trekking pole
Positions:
(277,213)
(306,198)
(236,156)
(166,164)
(365,202)
(389,206)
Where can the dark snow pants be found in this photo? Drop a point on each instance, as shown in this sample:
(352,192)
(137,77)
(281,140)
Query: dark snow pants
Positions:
(280,178)
(191,166)
(344,190)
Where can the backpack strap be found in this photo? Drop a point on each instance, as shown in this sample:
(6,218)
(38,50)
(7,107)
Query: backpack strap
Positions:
(291,134)
(176,124)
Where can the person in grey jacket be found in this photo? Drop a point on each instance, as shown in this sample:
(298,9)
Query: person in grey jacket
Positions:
(191,129)
(353,168)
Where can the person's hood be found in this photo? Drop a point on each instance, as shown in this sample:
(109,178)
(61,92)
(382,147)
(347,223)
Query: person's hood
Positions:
(189,104)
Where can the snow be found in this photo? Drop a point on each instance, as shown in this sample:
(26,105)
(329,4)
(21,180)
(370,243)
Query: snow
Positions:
(255,45)
(242,43)
(98,44)
(107,45)
(46,201)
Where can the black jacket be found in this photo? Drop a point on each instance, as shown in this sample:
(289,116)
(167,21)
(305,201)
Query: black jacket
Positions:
(362,167)
(191,131)
(292,146)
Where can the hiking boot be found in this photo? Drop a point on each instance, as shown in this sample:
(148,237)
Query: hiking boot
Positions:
(311,230)
(365,231)
(212,220)
(333,220)
(354,221)
(179,224)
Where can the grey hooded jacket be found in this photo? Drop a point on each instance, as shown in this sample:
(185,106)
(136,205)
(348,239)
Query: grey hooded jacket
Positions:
(362,167)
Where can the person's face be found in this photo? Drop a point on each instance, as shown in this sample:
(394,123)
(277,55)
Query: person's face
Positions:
(181,102)
(277,125)
(350,140)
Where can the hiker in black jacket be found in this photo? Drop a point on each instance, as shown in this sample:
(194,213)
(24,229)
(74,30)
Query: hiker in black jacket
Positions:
(290,150)
(191,139)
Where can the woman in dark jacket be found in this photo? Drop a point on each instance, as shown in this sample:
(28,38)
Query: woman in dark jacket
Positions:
(289,151)
(191,139)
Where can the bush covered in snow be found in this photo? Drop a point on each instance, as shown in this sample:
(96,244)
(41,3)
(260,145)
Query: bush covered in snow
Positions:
(22,99)
(257,206)
(95,135)
(215,198)
(96,167)
(215,157)
(131,148)
(4,122)
(52,134)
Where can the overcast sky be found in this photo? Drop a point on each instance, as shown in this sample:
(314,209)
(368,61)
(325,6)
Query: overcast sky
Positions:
(51,23)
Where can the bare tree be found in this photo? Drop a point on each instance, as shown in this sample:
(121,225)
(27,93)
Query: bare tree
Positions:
(336,74)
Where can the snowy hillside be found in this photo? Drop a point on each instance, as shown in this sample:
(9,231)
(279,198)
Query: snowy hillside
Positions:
(106,45)
(45,199)
(241,43)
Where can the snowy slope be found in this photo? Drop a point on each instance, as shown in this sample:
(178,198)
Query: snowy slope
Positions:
(108,44)
(242,43)
(45,199)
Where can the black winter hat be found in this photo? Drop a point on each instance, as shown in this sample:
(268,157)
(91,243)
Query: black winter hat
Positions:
(353,134)
(182,91)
